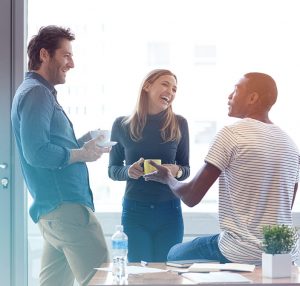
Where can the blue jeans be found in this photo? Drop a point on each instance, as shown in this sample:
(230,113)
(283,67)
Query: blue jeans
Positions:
(152,229)
(200,248)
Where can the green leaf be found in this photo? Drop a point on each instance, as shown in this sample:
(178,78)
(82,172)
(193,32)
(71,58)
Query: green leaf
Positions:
(278,239)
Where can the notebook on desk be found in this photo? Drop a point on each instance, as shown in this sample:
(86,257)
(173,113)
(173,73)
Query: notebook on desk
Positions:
(188,263)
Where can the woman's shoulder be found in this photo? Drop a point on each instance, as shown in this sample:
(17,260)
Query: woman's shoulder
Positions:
(181,119)
(121,119)
(120,122)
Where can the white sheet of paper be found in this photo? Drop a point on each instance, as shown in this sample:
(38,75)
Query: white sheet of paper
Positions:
(136,269)
(210,267)
(216,277)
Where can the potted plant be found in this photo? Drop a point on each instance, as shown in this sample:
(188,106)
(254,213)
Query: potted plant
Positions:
(278,241)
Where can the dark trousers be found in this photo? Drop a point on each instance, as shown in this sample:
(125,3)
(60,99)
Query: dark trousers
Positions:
(152,229)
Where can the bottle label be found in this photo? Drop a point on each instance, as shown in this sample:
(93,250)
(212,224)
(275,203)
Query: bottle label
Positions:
(119,244)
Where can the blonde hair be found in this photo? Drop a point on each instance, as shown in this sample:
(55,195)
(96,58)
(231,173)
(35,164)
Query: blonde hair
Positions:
(136,122)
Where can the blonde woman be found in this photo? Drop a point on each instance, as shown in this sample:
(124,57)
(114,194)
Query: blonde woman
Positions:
(151,215)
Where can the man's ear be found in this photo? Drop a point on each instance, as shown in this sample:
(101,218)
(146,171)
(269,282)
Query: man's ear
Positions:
(44,55)
(254,97)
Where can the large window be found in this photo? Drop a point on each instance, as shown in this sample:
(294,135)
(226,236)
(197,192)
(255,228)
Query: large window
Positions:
(207,44)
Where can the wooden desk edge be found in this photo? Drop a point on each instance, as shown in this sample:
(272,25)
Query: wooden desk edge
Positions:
(104,278)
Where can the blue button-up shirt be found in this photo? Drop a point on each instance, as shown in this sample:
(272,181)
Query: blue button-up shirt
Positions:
(44,137)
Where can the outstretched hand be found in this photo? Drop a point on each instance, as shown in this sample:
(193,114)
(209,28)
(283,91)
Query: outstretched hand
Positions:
(162,174)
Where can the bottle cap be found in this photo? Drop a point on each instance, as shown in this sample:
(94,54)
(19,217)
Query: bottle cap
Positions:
(119,227)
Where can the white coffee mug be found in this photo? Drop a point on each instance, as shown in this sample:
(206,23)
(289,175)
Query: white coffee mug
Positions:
(105,136)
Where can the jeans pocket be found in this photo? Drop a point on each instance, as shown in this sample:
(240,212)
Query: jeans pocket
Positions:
(68,214)
(83,216)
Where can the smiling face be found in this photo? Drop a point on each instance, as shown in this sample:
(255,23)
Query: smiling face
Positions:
(161,93)
(54,69)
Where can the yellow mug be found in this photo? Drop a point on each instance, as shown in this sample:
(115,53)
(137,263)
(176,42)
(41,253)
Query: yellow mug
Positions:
(148,168)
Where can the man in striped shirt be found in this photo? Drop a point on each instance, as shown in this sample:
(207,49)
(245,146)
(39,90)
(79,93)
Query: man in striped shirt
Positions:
(258,168)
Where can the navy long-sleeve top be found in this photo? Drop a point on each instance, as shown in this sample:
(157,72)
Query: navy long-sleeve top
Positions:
(151,146)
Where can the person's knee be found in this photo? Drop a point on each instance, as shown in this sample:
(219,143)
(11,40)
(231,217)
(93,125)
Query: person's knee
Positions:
(102,256)
(102,253)
(105,255)
(172,255)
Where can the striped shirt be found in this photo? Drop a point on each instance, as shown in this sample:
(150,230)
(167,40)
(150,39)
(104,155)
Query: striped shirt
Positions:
(260,166)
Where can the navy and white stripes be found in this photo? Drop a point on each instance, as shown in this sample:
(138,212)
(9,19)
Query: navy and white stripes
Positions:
(260,166)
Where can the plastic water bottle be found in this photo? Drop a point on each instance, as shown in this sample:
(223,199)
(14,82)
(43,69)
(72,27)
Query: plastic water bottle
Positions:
(119,255)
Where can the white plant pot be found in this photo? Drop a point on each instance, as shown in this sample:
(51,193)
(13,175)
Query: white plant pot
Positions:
(276,265)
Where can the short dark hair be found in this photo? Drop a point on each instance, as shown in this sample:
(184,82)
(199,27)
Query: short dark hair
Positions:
(49,38)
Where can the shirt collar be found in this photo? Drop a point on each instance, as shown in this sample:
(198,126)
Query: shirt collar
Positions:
(38,77)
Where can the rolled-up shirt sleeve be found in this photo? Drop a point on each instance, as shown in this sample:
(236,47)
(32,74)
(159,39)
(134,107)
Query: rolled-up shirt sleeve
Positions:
(36,111)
